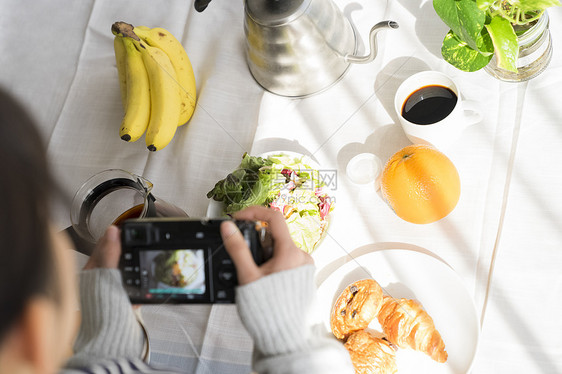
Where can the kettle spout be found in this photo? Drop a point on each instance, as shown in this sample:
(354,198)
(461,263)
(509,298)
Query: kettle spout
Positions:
(373,43)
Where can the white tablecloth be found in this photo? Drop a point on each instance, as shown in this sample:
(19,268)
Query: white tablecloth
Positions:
(504,238)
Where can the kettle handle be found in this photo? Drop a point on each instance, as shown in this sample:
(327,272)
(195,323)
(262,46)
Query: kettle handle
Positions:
(373,43)
(200,5)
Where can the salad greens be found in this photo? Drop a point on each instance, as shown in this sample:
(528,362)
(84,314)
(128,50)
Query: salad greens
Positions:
(283,183)
(480,28)
(246,186)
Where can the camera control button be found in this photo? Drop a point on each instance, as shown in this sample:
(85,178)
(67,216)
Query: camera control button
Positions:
(224,296)
(221,294)
(227,275)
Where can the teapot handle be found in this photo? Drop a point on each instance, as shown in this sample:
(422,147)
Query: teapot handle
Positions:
(373,43)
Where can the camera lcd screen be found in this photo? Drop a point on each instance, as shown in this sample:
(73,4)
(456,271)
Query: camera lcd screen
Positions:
(173,272)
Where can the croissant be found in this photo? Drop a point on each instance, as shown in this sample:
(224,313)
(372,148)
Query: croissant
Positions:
(407,325)
(371,355)
(355,308)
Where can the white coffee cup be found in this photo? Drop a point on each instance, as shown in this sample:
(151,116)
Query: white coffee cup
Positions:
(444,131)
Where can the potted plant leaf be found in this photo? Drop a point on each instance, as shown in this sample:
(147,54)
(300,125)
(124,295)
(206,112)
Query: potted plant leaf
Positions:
(508,37)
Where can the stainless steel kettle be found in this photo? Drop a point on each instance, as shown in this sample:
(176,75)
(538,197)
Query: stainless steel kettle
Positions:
(298,48)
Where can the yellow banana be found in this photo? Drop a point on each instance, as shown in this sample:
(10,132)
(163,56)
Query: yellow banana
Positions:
(164,95)
(137,112)
(120,53)
(164,40)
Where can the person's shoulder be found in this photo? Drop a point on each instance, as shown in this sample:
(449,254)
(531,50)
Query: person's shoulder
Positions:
(123,365)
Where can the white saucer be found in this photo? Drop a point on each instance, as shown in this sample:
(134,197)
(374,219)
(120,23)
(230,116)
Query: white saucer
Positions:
(364,168)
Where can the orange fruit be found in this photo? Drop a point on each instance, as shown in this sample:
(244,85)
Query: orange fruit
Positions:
(421,184)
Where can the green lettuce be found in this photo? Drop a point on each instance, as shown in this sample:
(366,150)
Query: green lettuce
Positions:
(246,186)
(305,229)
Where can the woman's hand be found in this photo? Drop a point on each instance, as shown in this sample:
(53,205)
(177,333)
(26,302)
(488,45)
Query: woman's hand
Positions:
(286,255)
(107,251)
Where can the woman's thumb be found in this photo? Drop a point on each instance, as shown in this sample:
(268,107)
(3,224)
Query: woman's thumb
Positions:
(237,248)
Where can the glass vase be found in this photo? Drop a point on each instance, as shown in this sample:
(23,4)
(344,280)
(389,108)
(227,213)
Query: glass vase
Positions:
(535,52)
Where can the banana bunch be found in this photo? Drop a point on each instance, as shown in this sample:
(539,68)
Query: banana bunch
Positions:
(156,81)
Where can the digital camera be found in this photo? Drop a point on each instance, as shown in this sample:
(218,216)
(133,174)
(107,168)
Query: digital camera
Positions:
(174,260)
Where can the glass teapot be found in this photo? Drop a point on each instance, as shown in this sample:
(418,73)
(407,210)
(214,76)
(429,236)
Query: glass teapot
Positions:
(112,196)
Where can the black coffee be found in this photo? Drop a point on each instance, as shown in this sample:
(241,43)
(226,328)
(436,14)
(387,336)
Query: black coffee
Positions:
(429,104)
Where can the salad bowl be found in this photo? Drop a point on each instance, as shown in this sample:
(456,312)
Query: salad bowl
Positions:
(286,181)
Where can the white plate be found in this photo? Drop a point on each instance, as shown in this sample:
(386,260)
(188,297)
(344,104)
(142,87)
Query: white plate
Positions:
(414,275)
(305,159)
(215,209)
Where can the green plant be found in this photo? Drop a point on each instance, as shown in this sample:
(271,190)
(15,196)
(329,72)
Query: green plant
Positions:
(480,28)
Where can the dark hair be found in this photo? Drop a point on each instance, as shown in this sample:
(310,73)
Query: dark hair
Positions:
(27,265)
